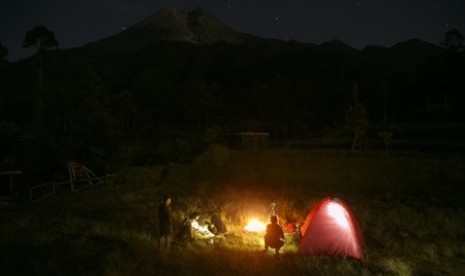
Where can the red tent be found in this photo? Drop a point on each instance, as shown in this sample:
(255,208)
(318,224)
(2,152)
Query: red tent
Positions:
(331,229)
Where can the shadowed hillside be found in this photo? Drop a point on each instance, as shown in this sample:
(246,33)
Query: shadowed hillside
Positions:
(171,85)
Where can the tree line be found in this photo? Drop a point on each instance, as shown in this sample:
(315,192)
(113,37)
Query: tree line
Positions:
(170,101)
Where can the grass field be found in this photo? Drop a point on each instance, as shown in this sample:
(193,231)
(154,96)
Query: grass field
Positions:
(409,206)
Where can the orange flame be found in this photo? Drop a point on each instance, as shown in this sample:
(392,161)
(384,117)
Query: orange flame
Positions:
(254,225)
(196,225)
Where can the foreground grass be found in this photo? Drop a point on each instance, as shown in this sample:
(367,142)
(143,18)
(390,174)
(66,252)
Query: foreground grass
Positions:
(409,208)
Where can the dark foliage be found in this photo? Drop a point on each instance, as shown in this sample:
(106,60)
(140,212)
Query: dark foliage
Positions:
(107,107)
(3,52)
(41,37)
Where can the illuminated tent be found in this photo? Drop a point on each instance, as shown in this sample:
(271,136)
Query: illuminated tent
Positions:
(331,229)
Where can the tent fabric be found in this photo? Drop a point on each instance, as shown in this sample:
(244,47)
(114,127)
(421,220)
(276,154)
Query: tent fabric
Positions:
(331,229)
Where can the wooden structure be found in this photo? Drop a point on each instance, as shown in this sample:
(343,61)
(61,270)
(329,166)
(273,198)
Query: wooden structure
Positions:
(437,103)
(80,177)
(79,173)
(247,139)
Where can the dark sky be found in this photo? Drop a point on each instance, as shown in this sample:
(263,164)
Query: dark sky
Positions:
(357,23)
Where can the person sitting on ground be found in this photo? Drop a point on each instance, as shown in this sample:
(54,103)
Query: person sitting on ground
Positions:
(274,236)
(218,222)
(186,232)
(212,228)
(216,225)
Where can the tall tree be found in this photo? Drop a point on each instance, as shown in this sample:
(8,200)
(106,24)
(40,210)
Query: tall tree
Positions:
(3,52)
(3,62)
(41,37)
(453,40)
(44,40)
(357,120)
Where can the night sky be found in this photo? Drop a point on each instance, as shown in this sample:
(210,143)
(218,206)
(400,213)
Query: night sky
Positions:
(357,23)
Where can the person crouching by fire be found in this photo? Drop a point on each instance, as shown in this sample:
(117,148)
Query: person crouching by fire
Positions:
(186,232)
(274,236)
(216,225)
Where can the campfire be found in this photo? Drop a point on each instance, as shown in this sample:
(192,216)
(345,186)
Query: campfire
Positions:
(255,225)
(201,229)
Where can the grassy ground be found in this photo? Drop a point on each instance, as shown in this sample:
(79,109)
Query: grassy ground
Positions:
(409,207)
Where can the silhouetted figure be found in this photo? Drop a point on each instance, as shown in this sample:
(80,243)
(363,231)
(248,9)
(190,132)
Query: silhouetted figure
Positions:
(274,236)
(164,221)
(218,223)
(185,232)
(212,228)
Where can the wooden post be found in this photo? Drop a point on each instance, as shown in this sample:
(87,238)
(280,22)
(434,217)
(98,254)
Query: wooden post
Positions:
(86,171)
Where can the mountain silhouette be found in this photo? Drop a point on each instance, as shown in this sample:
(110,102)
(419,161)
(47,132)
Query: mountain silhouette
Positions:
(197,27)
(151,92)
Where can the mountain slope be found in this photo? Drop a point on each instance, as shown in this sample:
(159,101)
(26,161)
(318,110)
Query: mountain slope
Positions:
(196,26)
(413,53)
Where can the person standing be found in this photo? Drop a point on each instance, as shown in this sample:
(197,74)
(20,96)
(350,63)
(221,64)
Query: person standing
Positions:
(164,221)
